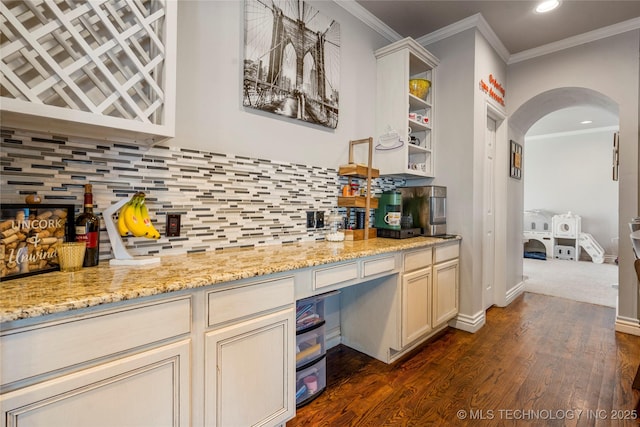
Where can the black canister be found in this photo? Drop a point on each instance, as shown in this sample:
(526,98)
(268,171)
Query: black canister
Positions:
(360,220)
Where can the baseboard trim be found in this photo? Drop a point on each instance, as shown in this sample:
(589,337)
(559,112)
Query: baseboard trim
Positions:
(627,326)
(513,293)
(469,323)
(332,337)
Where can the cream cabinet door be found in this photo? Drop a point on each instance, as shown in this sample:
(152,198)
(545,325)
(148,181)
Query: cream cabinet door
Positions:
(445,291)
(416,305)
(146,389)
(250,372)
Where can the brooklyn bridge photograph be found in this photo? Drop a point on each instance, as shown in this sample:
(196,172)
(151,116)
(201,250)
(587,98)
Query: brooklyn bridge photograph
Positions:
(291,61)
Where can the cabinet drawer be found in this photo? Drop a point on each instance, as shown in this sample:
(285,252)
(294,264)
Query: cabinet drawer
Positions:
(417,259)
(334,275)
(250,299)
(444,253)
(57,345)
(377,266)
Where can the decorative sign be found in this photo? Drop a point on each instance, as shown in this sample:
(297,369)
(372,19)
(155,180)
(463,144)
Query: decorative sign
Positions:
(291,61)
(30,237)
(489,89)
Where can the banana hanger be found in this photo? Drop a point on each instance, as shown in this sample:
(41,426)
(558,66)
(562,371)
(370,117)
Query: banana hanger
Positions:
(120,254)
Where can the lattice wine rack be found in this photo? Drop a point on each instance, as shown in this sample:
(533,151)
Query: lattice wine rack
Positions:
(106,64)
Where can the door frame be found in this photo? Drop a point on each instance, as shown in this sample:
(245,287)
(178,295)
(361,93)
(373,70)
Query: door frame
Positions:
(488,212)
(500,296)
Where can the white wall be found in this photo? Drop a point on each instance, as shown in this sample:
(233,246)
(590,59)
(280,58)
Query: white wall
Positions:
(505,275)
(210,115)
(465,59)
(454,146)
(610,67)
(573,173)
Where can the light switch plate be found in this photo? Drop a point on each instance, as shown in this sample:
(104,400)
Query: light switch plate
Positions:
(311,219)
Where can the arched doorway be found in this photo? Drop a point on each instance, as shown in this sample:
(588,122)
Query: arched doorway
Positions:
(556,99)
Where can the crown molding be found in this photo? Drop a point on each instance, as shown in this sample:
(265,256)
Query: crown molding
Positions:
(474,21)
(591,36)
(573,133)
(477,21)
(369,19)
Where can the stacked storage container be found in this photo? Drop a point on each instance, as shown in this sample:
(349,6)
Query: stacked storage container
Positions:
(311,378)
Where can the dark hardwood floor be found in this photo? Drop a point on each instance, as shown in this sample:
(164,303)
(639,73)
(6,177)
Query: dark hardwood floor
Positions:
(541,361)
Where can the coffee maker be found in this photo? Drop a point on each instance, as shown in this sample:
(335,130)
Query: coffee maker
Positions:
(427,205)
(391,221)
(389,211)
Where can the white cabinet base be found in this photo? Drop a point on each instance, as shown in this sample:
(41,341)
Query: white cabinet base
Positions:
(146,389)
(445,291)
(416,305)
(250,372)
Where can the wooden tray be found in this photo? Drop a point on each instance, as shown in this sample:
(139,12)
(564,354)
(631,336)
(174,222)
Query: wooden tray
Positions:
(359,234)
(357,170)
(356,202)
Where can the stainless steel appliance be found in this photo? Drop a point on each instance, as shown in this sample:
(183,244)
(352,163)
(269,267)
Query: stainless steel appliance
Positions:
(427,206)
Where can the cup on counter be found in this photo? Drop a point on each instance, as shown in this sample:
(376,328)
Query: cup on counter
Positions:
(71,255)
(392,218)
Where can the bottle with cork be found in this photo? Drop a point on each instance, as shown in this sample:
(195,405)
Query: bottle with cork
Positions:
(88,229)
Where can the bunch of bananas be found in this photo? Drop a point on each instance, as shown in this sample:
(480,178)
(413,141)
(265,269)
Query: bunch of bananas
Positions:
(133,218)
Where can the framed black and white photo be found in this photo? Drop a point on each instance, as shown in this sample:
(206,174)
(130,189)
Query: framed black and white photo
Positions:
(515,160)
(291,61)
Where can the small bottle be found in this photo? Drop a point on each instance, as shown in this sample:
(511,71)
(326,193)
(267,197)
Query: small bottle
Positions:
(88,230)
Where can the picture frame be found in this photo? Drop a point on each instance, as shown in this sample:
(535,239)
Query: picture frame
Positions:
(291,64)
(616,156)
(30,236)
(515,160)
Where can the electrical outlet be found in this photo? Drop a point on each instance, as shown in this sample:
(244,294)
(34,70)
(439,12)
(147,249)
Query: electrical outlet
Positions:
(319,219)
(173,225)
(311,219)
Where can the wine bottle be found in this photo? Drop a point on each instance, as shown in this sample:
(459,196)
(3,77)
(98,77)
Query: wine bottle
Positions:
(88,230)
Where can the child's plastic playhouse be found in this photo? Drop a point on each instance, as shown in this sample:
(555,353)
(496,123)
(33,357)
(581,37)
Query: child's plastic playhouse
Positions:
(560,236)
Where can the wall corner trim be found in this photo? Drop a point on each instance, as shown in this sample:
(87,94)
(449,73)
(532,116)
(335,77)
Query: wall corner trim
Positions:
(588,37)
(369,19)
(474,21)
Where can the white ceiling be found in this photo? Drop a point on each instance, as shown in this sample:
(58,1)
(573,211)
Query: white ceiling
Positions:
(514,21)
(568,120)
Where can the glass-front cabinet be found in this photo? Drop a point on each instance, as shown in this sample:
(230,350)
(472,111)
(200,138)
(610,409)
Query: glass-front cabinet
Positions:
(405,110)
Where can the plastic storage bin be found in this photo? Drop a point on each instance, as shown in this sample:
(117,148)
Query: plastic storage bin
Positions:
(310,348)
(310,344)
(311,381)
(309,312)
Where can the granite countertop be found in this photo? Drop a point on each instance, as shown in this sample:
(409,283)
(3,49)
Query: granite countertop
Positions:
(57,292)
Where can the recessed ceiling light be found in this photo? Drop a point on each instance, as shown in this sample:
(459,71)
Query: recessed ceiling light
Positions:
(586,122)
(547,6)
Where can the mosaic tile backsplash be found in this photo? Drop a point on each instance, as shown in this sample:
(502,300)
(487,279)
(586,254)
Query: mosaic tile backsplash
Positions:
(224,200)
